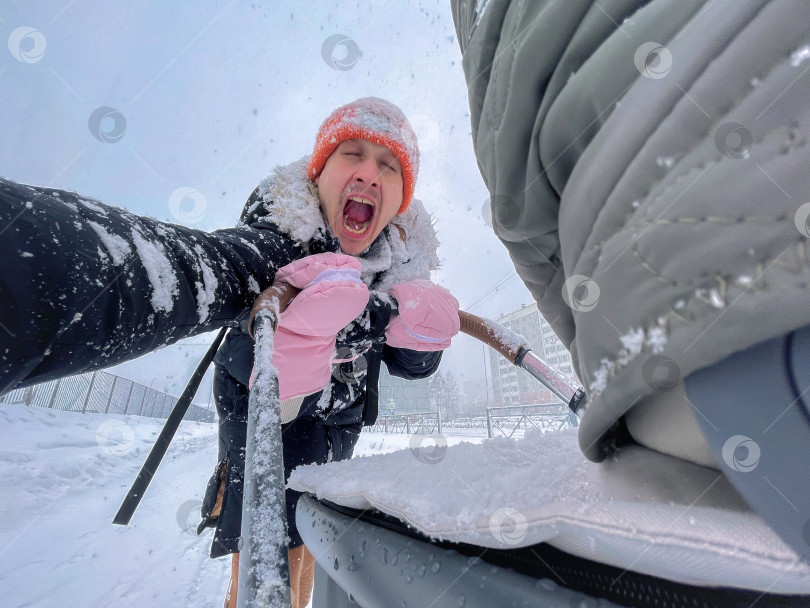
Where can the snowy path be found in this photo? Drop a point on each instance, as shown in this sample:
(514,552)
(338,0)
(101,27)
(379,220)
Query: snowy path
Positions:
(64,475)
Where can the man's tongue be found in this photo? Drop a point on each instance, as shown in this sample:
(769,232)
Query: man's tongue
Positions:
(357,214)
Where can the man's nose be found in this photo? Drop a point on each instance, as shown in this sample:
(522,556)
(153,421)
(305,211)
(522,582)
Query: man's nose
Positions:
(368,173)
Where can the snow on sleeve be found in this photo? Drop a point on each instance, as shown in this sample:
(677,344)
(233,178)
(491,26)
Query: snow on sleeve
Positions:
(250,246)
(94,205)
(116,246)
(159,270)
(207,289)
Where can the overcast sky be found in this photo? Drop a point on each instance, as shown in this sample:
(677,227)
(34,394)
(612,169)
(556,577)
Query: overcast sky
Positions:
(177,110)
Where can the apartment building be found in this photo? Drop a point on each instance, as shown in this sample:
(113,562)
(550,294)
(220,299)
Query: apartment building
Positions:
(514,386)
(400,396)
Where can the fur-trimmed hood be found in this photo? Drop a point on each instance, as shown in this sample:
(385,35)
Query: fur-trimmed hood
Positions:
(405,250)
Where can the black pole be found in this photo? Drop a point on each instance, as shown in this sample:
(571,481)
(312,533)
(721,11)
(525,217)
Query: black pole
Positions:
(136,492)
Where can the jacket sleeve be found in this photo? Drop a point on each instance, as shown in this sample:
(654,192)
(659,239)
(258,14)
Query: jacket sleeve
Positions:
(411,364)
(85,285)
(236,355)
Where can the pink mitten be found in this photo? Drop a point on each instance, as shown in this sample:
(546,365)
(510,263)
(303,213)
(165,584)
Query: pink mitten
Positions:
(332,295)
(427,319)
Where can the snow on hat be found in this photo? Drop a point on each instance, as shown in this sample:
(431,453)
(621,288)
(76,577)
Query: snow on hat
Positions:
(375,120)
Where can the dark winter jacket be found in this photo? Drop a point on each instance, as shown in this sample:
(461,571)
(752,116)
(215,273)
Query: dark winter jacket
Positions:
(288,200)
(84,285)
(329,421)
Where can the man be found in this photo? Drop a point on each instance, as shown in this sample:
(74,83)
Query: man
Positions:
(85,285)
(353,196)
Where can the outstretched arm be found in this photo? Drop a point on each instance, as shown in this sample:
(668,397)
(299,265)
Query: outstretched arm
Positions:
(85,285)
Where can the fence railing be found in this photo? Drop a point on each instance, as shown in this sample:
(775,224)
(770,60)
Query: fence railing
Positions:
(507,420)
(105,393)
(425,423)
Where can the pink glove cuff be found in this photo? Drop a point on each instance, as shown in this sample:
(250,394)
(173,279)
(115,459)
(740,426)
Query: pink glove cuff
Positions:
(332,293)
(308,270)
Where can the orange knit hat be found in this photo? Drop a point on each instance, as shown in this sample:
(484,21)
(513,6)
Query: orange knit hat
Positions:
(375,120)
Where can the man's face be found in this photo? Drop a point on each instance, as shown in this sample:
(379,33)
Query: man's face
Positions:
(360,189)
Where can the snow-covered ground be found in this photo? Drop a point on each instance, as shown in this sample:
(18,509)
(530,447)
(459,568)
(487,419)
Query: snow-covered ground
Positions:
(64,475)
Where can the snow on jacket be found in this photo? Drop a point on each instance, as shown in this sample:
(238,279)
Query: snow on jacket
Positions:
(404,250)
(647,164)
(85,285)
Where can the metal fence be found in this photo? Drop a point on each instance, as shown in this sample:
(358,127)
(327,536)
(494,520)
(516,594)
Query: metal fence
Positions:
(425,423)
(104,393)
(500,421)
(509,419)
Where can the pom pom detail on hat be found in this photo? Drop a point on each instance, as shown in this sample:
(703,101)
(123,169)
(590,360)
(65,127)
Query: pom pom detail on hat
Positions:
(375,120)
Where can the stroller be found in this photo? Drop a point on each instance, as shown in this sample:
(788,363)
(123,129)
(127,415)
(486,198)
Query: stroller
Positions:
(534,523)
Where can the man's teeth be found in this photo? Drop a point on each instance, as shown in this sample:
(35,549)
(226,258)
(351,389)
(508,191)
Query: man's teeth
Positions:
(356,229)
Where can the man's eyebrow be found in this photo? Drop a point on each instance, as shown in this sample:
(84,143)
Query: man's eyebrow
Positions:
(390,156)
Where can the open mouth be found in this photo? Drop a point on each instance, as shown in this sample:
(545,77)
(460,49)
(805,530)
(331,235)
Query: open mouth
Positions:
(357,215)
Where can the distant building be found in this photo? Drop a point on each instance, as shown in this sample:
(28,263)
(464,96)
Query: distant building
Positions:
(514,386)
(403,396)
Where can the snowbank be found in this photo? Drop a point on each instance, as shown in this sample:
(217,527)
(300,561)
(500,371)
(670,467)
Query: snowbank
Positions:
(64,476)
